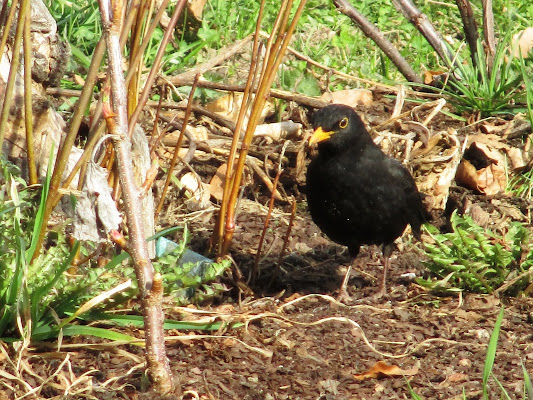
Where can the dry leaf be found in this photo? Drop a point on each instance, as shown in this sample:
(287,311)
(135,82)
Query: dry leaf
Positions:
(351,97)
(457,377)
(466,175)
(488,180)
(229,106)
(196,7)
(443,152)
(198,190)
(430,76)
(216,186)
(381,368)
(453,379)
(79,80)
(523,42)
(200,133)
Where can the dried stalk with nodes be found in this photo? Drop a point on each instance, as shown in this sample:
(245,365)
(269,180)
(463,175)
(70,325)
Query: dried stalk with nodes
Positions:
(274,51)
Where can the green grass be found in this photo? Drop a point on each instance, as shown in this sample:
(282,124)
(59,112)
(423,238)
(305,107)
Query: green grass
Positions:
(323,34)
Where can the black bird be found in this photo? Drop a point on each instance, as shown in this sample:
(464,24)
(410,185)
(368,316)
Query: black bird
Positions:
(356,193)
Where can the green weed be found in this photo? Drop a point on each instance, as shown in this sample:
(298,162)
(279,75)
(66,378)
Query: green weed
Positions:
(39,299)
(476,259)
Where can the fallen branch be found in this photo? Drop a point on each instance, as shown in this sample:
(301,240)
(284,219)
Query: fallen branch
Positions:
(371,31)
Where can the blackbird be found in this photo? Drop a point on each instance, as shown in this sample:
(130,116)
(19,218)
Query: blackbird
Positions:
(356,193)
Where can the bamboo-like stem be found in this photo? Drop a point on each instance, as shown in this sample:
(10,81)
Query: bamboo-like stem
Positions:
(275,55)
(15,62)
(28,114)
(150,288)
(3,13)
(7,26)
(157,61)
(135,40)
(177,148)
(97,127)
(64,151)
(218,232)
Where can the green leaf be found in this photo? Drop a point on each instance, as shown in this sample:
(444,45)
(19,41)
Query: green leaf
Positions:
(491,352)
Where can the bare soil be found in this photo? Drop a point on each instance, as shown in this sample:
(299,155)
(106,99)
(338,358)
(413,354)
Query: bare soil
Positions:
(298,341)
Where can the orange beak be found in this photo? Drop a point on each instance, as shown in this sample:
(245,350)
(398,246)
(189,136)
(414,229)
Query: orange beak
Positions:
(319,135)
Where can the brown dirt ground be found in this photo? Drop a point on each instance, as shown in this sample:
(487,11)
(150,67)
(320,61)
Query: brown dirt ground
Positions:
(299,342)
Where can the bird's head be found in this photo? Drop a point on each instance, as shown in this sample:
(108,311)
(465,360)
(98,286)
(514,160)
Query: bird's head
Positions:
(337,125)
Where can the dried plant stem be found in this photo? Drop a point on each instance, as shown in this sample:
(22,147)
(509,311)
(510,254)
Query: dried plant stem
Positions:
(8,22)
(217,240)
(158,58)
(3,13)
(469,27)
(255,270)
(150,288)
(488,34)
(177,148)
(15,62)
(274,53)
(28,114)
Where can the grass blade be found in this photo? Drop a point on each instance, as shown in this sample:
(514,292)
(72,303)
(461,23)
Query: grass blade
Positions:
(528,389)
(491,353)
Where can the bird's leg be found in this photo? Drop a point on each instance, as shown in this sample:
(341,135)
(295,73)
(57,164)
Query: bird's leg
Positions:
(343,293)
(387,252)
(382,290)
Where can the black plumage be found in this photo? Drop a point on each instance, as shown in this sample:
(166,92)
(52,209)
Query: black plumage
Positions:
(357,194)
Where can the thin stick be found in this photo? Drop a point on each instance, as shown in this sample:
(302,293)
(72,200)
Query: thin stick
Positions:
(28,114)
(15,62)
(177,148)
(255,270)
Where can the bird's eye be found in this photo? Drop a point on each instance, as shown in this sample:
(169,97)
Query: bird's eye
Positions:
(343,123)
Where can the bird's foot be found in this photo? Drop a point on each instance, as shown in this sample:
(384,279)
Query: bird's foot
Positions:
(379,297)
(344,297)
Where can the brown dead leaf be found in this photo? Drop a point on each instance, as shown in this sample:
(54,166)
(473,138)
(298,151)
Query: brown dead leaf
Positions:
(79,80)
(453,379)
(229,106)
(196,7)
(516,158)
(351,97)
(466,175)
(383,369)
(198,191)
(523,42)
(200,133)
(489,180)
(216,186)
(429,76)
